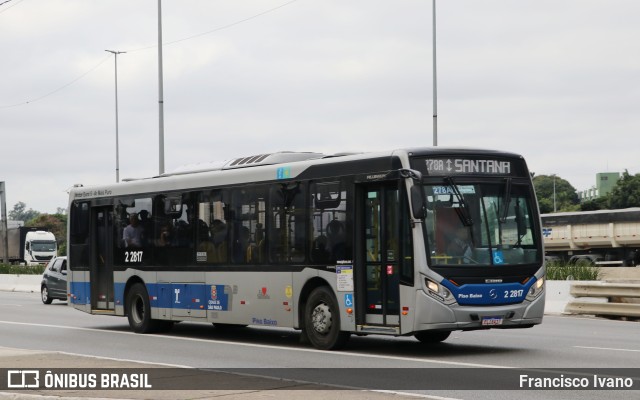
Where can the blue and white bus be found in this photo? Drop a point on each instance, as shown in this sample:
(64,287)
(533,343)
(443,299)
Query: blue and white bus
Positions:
(419,242)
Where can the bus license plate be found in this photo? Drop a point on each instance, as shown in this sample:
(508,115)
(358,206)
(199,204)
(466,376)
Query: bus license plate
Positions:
(491,321)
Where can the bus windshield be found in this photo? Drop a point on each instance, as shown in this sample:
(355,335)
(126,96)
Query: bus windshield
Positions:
(490,223)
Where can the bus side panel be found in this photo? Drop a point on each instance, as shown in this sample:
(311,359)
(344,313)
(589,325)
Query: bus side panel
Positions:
(345,299)
(408,308)
(79,289)
(120,279)
(251,298)
(246,298)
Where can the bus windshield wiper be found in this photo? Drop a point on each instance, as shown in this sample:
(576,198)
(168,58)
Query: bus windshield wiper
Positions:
(506,200)
(463,209)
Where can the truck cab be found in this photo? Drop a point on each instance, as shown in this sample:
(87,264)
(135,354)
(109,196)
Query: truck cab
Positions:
(39,247)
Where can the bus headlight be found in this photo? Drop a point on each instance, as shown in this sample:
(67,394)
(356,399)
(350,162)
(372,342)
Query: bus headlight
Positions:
(536,289)
(439,292)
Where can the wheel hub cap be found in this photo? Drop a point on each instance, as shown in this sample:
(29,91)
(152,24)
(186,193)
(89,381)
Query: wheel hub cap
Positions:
(321,318)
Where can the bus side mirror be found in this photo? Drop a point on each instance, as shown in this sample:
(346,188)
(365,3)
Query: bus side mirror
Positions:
(418,205)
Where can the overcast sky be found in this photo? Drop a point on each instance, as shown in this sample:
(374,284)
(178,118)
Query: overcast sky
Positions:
(555,80)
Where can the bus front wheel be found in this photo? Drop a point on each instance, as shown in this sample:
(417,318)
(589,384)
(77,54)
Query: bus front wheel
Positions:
(322,320)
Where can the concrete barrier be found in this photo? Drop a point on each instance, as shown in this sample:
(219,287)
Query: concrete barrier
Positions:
(615,299)
(20,283)
(557,297)
(609,309)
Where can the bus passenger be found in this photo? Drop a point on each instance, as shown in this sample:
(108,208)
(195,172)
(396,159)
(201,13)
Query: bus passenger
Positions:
(166,236)
(132,234)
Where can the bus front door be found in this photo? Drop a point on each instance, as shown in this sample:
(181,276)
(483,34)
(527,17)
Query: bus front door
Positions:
(102,263)
(380,243)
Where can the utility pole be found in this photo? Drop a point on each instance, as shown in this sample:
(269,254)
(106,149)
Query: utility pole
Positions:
(115,53)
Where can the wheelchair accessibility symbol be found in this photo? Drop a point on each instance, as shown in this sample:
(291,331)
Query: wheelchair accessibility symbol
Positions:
(348,300)
(498,257)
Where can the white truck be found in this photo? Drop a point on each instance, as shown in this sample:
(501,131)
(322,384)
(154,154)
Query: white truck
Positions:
(28,245)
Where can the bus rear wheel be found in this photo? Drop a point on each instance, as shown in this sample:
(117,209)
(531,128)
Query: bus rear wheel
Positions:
(432,336)
(139,312)
(322,320)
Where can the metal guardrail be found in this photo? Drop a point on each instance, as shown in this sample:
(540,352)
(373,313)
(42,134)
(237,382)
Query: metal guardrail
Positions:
(604,290)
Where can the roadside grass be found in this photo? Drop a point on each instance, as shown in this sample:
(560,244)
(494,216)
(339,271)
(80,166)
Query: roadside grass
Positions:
(22,269)
(559,271)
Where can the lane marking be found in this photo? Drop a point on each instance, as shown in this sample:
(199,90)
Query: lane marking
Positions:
(393,392)
(607,349)
(265,346)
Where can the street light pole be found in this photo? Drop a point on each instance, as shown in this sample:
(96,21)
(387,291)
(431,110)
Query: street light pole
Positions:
(115,53)
(160,93)
(435,87)
(554,192)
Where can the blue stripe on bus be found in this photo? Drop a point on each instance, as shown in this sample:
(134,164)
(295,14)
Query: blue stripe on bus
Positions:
(80,292)
(489,294)
(118,293)
(188,296)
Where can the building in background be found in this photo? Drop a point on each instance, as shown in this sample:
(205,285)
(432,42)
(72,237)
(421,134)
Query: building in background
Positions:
(605,182)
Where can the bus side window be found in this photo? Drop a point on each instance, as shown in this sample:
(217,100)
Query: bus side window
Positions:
(79,250)
(288,223)
(329,238)
(212,229)
(173,229)
(246,221)
(133,227)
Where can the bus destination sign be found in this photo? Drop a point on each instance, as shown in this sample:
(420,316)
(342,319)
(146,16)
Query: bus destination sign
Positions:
(465,166)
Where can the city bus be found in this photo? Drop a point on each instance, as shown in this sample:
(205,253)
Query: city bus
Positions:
(418,242)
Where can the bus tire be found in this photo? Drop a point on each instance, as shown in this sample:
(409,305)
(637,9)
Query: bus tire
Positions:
(139,310)
(322,320)
(432,336)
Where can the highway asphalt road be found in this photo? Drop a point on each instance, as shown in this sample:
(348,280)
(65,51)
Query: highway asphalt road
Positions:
(559,345)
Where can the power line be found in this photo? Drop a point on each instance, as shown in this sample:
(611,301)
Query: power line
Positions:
(11,6)
(60,88)
(140,49)
(216,29)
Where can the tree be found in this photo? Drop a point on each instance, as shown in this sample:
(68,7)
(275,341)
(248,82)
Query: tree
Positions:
(566,197)
(600,203)
(19,214)
(626,193)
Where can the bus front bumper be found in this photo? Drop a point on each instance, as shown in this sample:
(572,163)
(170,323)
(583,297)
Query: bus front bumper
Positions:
(433,314)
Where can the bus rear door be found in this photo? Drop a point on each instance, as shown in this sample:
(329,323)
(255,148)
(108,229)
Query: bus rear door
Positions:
(102,263)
